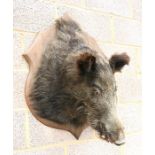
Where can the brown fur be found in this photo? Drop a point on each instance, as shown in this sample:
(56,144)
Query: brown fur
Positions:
(74,85)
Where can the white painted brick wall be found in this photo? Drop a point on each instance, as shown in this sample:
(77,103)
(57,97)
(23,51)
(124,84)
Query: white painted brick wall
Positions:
(116,25)
(19,140)
(100,24)
(18,49)
(137,8)
(127,31)
(118,7)
(97,147)
(18,94)
(51,151)
(33,17)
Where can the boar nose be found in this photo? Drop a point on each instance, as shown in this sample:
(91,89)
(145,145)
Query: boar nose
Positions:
(121,138)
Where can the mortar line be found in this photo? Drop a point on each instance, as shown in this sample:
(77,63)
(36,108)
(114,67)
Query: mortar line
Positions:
(129,102)
(123,147)
(83,3)
(61,144)
(118,43)
(137,74)
(91,9)
(140,55)
(36,149)
(22,41)
(138,132)
(112,29)
(122,150)
(72,6)
(130,6)
(80,5)
(22,46)
(108,42)
(20,109)
(27,130)
(20,30)
(56,11)
(21,37)
(65,150)
(97,11)
(21,70)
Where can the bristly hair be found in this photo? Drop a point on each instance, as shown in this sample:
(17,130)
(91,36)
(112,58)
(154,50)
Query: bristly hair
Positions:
(66,24)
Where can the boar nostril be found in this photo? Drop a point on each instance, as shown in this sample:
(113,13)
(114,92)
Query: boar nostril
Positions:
(121,138)
(120,142)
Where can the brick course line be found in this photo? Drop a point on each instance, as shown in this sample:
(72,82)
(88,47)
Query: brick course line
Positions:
(56,11)
(134,133)
(23,69)
(22,46)
(122,150)
(27,130)
(112,29)
(121,44)
(96,11)
(80,4)
(107,42)
(61,144)
(65,150)
(127,103)
(64,144)
(54,3)
(20,109)
(34,149)
(138,50)
(22,41)
(20,30)
(130,103)
(130,8)
(99,41)
(137,74)
(83,3)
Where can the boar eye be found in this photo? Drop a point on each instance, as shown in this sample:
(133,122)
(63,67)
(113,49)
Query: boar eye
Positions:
(97,90)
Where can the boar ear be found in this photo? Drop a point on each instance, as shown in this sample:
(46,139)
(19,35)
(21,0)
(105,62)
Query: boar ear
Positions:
(86,63)
(117,61)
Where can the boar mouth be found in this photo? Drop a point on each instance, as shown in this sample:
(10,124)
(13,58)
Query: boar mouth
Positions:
(112,137)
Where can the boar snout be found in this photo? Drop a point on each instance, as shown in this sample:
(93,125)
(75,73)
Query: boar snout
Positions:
(117,137)
(121,138)
(113,133)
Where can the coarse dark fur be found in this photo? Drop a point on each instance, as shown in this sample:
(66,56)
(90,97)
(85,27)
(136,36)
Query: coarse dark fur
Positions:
(74,85)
